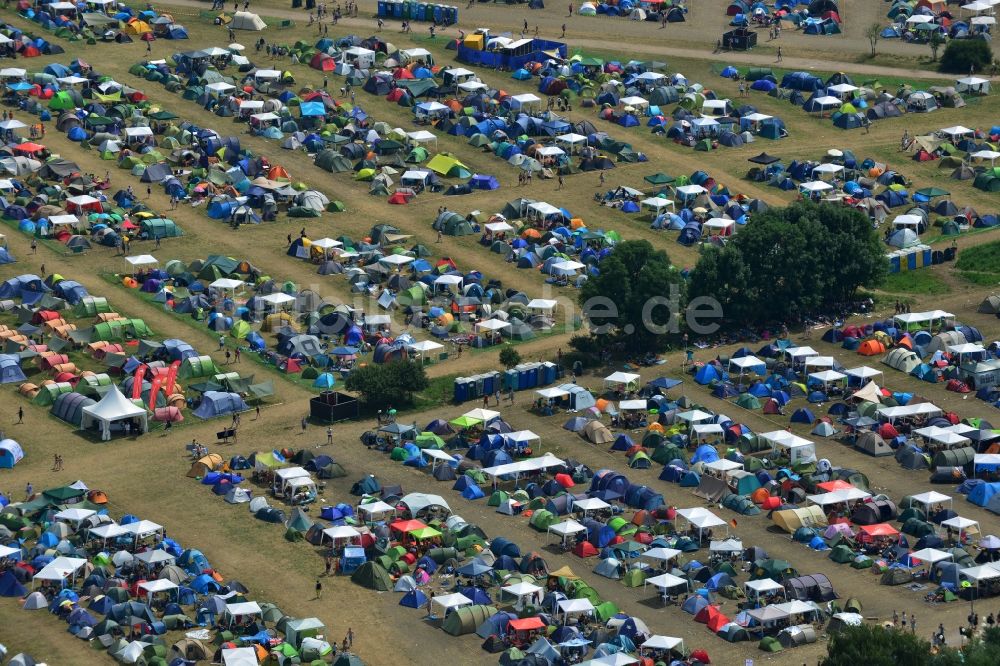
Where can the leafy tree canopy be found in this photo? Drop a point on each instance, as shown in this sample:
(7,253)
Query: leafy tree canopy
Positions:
(634,297)
(386,384)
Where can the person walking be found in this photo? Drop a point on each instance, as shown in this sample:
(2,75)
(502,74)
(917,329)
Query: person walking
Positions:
(486,401)
(20,414)
(34,246)
(329,435)
(229,355)
(779,54)
(328,564)
(237,354)
(29,490)
(319,588)
(561,182)
(222,342)
(913,623)
(895,619)
(350,637)
(563,31)
(304,423)
(256,413)
(496,396)
(904,621)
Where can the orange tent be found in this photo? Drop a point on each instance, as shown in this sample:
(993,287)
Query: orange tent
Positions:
(906,342)
(601,404)
(871,348)
(759,496)
(276,172)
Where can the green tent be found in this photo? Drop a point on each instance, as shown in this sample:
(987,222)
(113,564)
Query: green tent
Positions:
(541,520)
(446,165)
(160,228)
(197,366)
(48,393)
(703,145)
(769,644)
(91,306)
(414,295)
(61,101)
(841,554)
(299,521)
(498,498)
(372,576)
(109,331)
(240,330)
(428,440)
(605,611)
(465,620)
(634,578)
(748,401)
(417,155)
(138,328)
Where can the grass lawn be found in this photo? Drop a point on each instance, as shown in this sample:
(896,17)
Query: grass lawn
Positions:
(924,282)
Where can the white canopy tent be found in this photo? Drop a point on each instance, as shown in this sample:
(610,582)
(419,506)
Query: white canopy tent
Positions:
(702,519)
(112,408)
(666,582)
(589,504)
(450,602)
(628,380)
(566,529)
(234,613)
(151,587)
(755,588)
(60,570)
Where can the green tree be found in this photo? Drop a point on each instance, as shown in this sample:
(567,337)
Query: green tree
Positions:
(855,255)
(873,32)
(721,275)
(961,55)
(873,645)
(386,384)
(509,357)
(935,42)
(634,298)
(790,261)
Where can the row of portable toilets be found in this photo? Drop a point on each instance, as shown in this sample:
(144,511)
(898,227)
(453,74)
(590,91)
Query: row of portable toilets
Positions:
(518,378)
(418,11)
(919,256)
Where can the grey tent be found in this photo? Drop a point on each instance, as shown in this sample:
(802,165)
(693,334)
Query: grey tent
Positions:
(871,443)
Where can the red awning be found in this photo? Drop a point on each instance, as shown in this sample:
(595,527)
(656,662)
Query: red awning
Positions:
(527,624)
(882,529)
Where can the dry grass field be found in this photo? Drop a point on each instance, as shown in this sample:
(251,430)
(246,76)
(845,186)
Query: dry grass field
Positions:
(146,476)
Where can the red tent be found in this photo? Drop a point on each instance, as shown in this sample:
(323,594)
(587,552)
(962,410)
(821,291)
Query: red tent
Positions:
(585,549)
(399,199)
(887,431)
(718,622)
(707,614)
(701,656)
(565,480)
(830,486)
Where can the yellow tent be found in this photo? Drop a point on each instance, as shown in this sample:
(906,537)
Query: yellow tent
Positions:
(137,27)
(792,519)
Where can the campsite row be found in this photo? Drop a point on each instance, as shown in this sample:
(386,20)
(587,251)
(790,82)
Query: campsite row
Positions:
(359,537)
(137,594)
(135,379)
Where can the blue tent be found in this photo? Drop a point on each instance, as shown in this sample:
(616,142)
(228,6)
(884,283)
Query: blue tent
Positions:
(10,587)
(803,415)
(10,369)
(981,494)
(219,403)
(706,375)
(705,453)
(473,492)
(6,257)
(413,599)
